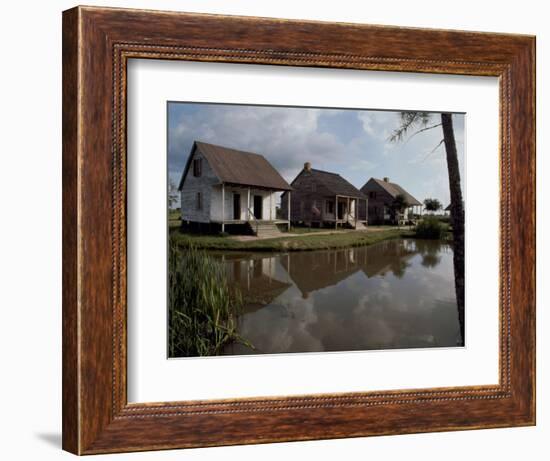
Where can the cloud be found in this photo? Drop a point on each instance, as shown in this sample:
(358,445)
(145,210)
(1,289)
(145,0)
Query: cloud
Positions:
(287,137)
(378,124)
(353,143)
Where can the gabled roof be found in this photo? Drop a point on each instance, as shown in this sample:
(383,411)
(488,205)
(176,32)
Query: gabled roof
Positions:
(333,183)
(394,190)
(238,167)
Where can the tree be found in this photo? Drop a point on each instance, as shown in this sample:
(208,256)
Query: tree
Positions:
(172,194)
(398,206)
(423,121)
(432,204)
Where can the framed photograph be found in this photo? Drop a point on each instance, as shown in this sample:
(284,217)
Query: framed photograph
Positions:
(282,230)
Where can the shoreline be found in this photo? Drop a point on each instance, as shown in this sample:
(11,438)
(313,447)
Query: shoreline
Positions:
(301,242)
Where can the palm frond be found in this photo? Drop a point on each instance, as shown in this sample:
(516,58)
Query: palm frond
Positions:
(410,120)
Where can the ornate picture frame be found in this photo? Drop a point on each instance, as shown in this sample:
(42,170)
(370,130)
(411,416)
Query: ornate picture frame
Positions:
(97,44)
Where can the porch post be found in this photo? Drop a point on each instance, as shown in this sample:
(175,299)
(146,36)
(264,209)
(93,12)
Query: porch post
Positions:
(248,205)
(347,209)
(271,205)
(356,211)
(223,207)
(336,212)
(288,217)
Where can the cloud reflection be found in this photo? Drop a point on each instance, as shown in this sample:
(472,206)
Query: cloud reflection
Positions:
(396,294)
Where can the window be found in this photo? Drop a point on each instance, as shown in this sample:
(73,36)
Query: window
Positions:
(330,207)
(313,187)
(372,194)
(199,201)
(314,208)
(197,167)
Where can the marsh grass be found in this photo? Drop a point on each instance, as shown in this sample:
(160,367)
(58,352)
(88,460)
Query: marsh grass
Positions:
(203,306)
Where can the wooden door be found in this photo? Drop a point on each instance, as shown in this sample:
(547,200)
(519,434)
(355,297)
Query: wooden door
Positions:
(258,203)
(236,206)
(341,210)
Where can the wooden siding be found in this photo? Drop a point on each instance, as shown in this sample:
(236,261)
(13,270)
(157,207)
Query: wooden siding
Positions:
(309,201)
(306,194)
(192,185)
(376,203)
(216,203)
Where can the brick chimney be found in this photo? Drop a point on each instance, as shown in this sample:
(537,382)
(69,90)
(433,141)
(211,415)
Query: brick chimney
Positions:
(386,179)
(307,166)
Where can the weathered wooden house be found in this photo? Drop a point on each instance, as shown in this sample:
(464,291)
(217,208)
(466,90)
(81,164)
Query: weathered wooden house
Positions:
(227,189)
(382,194)
(321,198)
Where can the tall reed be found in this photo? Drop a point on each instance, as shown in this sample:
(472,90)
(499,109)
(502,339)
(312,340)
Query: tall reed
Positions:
(203,307)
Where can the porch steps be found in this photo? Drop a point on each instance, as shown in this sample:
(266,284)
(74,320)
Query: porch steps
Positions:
(360,226)
(266,229)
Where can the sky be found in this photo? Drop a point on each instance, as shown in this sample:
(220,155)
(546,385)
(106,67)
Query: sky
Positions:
(353,143)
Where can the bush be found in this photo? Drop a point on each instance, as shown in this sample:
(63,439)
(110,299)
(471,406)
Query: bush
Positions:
(430,228)
(444,219)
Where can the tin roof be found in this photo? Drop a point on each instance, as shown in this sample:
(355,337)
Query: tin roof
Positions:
(234,166)
(394,190)
(332,183)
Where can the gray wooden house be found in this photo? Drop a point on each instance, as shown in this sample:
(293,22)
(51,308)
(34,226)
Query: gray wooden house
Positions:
(381,194)
(228,189)
(321,198)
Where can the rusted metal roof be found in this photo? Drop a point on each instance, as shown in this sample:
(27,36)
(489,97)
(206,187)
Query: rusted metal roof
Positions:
(233,166)
(394,190)
(337,184)
(333,183)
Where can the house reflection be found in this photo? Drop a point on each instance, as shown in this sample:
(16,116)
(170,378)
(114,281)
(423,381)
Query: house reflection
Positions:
(389,256)
(395,294)
(312,271)
(259,277)
(262,277)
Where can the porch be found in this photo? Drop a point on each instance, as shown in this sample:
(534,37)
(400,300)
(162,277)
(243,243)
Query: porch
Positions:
(347,212)
(408,217)
(254,207)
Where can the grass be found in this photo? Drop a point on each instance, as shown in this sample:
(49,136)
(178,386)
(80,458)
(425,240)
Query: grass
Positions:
(307,242)
(174,219)
(306,230)
(203,306)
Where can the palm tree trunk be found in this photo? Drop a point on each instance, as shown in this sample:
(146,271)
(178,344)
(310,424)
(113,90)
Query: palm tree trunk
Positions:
(457,214)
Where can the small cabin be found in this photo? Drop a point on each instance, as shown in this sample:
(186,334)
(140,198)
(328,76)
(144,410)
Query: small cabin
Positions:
(382,194)
(230,190)
(321,198)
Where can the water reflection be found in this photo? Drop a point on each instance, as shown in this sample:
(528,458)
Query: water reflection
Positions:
(395,294)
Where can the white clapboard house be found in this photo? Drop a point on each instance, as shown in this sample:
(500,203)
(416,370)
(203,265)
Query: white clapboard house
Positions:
(230,190)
